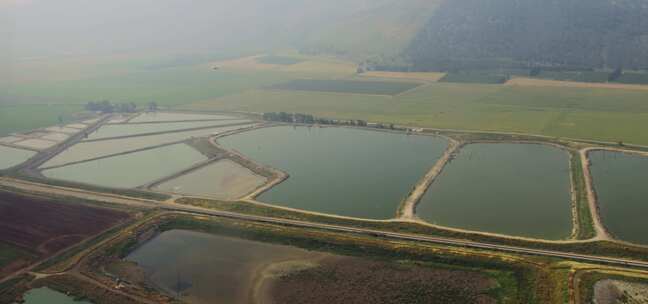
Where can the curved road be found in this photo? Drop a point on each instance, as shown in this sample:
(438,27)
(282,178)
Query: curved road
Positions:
(171,206)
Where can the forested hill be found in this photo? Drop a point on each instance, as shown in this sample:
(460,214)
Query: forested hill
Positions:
(572,33)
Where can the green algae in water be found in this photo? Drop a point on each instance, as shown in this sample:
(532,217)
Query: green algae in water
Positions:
(47,296)
(621,184)
(341,171)
(514,189)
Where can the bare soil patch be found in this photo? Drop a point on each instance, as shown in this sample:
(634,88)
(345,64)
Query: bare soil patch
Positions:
(45,227)
(532,82)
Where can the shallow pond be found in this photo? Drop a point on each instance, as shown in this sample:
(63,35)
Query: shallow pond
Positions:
(514,189)
(224,179)
(47,296)
(165,116)
(130,170)
(10,157)
(342,171)
(620,184)
(108,131)
(89,150)
(205,268)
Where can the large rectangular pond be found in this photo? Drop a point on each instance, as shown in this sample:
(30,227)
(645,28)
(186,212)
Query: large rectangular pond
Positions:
(341,171)
(89,150)
(224,180)
(45,295)
(620,181)
(204,268)
(108,131)
(10,157)
(130,170)
(514,189)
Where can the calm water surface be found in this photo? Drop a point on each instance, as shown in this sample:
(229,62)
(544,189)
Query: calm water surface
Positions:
(515,189)
(48,296)
(10,157)
(341,171)
(224,179)
(621,183)
(205,268)
(130,170)
(108,131)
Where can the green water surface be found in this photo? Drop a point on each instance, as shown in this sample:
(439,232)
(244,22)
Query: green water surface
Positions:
(621,184)
(341,171)
(514,189)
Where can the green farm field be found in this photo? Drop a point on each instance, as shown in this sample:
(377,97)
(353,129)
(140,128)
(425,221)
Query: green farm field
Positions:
(18,118)
(584,113)
(347,86)
(577,112)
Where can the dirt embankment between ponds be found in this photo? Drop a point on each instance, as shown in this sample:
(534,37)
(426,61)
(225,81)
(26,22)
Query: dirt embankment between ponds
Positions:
(601,231)
(407,208)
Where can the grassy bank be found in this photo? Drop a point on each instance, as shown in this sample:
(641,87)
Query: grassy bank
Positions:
(604,248)
(518,280)
(584,215)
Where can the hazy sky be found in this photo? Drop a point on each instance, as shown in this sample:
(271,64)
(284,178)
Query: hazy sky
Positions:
(46,27)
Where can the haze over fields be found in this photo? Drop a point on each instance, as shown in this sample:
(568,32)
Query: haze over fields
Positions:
(323,151)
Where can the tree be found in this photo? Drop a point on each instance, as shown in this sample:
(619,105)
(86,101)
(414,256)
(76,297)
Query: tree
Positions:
(615,74)
(152,106)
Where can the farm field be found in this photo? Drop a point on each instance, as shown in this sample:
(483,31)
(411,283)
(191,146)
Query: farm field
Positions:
(580,76)
(553,108)
(347,86)
(10,157)
(513,189)
(584,113)
(474,77)
(130,170)
(44,227)
(344,180)
(24,117)
(223,179)
(95,149)
(13,258)
(619,181)
(204,268)
(122,130)
(425,76)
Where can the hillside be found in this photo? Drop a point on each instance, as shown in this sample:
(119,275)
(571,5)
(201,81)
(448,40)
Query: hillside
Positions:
(513,33)
(383,28)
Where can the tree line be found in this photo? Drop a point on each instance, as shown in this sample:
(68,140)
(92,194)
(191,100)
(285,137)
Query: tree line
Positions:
(310,119)
(106,106)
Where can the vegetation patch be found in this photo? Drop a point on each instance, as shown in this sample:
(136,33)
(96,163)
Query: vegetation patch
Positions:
(632,77)
(348,86)
(360,280)
(475,77)
(579,76)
